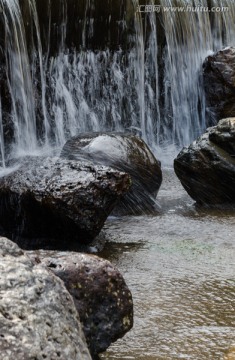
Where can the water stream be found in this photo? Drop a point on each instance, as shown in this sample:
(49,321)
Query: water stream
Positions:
(180,268)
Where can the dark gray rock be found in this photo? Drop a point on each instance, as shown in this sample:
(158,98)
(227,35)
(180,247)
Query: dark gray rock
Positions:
(219,84)
(38,319)
(223,135)
(206,168)
(53,198)
(123,152)
(100,294)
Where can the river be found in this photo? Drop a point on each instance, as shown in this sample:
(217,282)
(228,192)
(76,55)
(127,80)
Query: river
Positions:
(180,268)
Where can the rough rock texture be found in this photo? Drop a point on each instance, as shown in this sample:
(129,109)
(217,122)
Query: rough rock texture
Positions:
(101,296)
(60,199)
(223,135)
(231,354)
(123,152)
(38,319)
(206,168)
(219,83)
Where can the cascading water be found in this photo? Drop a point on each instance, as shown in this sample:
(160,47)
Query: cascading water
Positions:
(149,80)
(189,39)
(2,139)
(18,75)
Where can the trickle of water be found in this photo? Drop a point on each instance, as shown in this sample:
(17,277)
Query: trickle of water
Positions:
(3,163)
(38,50)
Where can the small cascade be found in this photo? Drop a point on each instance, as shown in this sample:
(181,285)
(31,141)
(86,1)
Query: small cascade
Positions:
(26,79)
(42,62)
(188,41)
(139,70)
(2,150)
(152,85)
(190,37)
(19,77)
(146,74)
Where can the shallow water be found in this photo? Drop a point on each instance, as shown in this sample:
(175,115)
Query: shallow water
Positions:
(180,267)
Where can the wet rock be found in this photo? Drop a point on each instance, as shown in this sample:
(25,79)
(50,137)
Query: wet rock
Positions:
(106,27)
(100,294)
(206,168)
(63,202)
(219,83)
(38,319)
(230,354)
(223,135)
(123,152)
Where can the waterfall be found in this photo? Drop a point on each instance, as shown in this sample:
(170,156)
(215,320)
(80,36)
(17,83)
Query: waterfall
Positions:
(61,78)
(19,77)
(190,38)
(3,163)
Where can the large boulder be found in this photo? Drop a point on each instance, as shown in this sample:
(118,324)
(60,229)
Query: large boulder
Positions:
(219,84)
(100,294)
(62,201)
(38,319)
(206,168)
(123,152)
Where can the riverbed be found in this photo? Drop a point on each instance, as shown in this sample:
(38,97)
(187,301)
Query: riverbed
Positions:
(180,267)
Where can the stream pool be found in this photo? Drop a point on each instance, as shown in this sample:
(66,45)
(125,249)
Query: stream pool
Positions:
(180,267)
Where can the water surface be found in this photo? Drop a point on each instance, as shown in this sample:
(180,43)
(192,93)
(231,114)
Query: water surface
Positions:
(180,267)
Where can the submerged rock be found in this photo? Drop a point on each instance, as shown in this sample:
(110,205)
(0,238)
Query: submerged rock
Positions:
(219,83)
(123,152)
(59,200)
(38,319)
(100,294)
(206,168)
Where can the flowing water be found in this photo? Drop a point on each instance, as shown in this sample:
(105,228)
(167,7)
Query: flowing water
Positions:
(61,76)
(151,80)
(180,268)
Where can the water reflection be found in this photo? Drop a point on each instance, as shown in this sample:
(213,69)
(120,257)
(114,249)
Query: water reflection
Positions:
(180,268)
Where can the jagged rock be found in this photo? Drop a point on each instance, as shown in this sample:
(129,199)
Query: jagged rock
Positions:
(123,152)
(219,83)
(206,168)
(38,319)
(53,198)
(100,294)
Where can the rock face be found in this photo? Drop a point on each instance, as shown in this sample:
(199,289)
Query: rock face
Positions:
(219,83)
(38,319)
(100,294)
(206,168)
(59,199)
(122,152)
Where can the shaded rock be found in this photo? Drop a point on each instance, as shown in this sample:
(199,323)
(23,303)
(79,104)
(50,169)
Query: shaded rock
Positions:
(223,135)
(59,199)
(107,30)
(123,152)
(38,319)
(219,84)
(100,294)
(206,168)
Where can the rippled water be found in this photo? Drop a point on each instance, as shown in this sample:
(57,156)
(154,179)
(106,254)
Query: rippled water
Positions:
(180,267)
